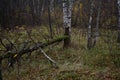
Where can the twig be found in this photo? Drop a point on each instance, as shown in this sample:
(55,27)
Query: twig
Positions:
(50,59)
(47,56)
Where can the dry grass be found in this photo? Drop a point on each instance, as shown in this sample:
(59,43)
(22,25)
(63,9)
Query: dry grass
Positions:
(75,63)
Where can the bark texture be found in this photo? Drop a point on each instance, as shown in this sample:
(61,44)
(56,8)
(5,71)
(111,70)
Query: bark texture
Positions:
(89,42)
(67,12)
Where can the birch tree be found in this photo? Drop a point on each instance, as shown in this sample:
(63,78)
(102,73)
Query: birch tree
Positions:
(67,12)
(89,41)
(118,2)
(97,24)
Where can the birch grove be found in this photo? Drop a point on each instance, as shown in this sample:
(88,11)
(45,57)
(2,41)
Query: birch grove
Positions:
(79,38)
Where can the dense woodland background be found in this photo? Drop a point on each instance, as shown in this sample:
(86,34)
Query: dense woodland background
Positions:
(82,38)
(36,12)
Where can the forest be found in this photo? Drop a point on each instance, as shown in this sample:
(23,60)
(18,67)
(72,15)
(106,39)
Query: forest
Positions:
(59,39)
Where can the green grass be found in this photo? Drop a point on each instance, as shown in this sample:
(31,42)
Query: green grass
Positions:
(75,63)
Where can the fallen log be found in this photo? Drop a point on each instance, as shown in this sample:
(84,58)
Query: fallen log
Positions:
(17,54)
(32,48)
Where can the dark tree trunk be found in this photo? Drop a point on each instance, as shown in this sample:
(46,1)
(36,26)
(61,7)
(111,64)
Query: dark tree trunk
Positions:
(118,40)
(67,40)
(49,18)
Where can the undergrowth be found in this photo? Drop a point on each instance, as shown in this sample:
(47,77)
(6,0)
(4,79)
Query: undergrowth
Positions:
(102,62)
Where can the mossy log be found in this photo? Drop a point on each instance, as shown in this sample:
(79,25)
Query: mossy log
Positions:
(14,55)
(32,48)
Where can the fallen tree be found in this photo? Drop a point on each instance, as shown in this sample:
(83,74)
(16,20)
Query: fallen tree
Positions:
(13,55)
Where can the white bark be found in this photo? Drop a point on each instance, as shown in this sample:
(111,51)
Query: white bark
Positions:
(89,44)
(67,12)
(90,22)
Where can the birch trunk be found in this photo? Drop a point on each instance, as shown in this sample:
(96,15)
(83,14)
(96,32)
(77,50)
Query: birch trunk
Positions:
(118,40)
(89,43)
(67,11)
(97,24)
(51,6)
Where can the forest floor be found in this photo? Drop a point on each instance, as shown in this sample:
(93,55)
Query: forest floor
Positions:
(75,63)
